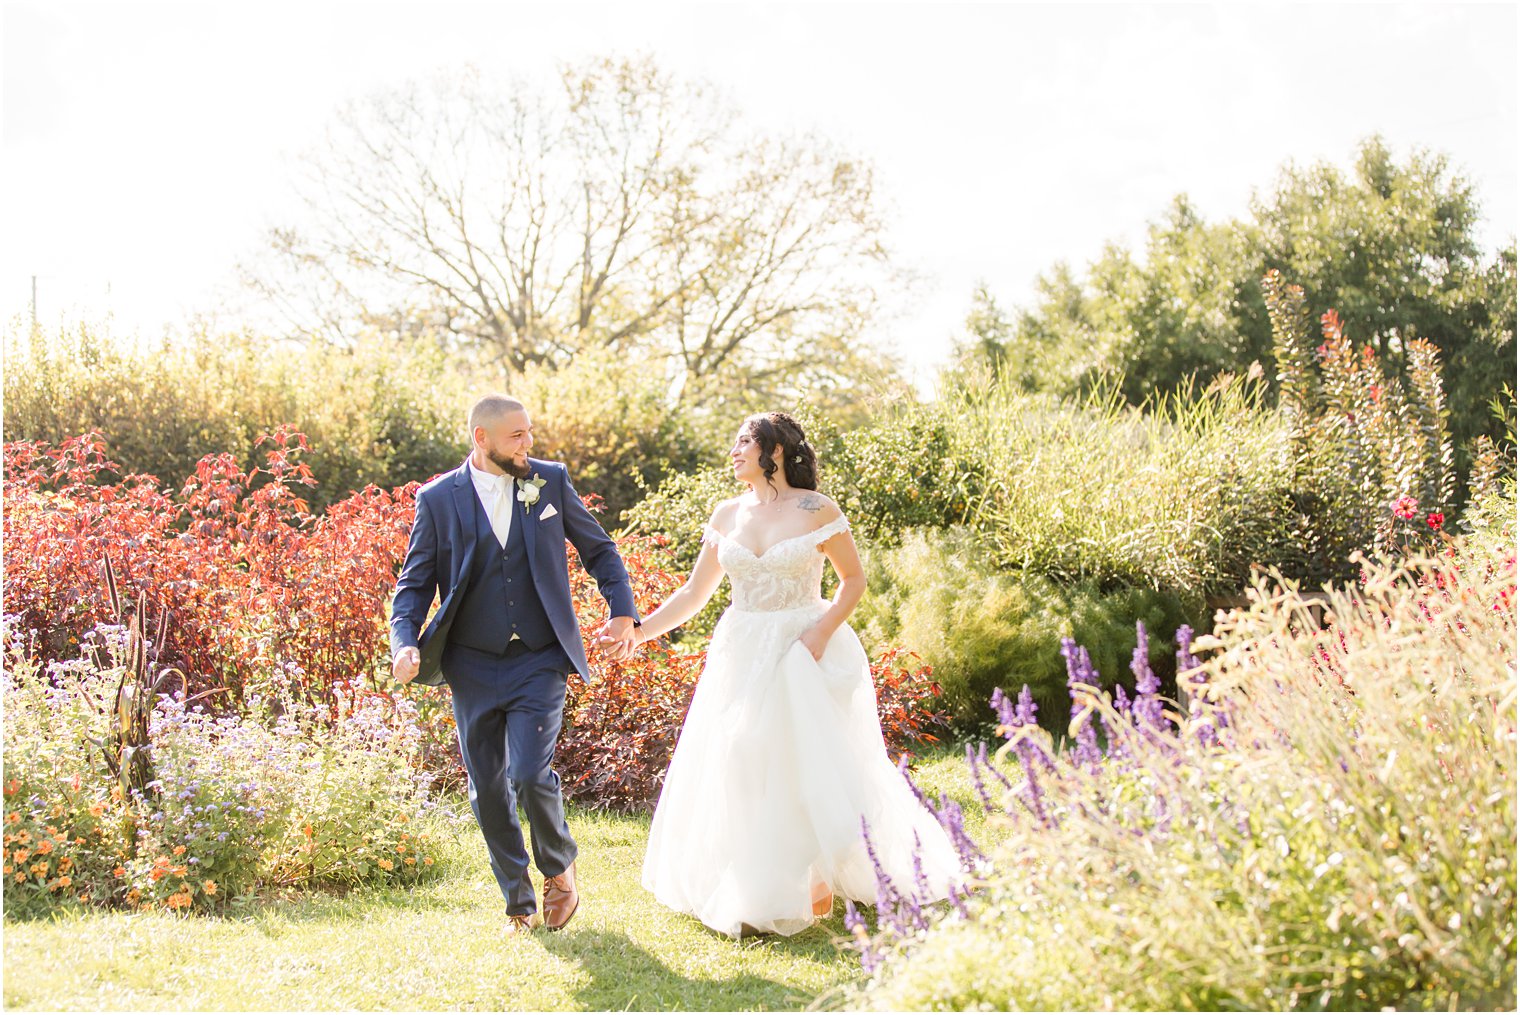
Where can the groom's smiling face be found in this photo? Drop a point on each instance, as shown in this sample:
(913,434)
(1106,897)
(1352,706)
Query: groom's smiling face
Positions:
(506,441)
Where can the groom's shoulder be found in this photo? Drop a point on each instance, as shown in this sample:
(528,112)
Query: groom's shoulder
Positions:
(433,486)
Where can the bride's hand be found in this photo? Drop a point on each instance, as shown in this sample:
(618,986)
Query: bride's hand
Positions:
(815,641)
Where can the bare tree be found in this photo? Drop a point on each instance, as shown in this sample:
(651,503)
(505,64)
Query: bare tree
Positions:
(625,210)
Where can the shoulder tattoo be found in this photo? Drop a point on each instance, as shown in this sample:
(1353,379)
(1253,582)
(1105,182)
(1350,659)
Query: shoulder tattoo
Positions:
(812,502)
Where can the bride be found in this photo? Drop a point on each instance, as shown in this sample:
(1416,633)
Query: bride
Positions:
(781,767)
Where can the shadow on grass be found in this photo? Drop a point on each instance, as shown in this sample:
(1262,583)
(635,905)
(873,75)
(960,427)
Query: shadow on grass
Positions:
(625,976)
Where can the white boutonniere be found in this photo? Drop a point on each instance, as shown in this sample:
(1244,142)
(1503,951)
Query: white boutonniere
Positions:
(529,489)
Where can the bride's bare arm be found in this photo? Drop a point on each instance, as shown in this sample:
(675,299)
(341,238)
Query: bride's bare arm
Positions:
(842,554)
(688,599)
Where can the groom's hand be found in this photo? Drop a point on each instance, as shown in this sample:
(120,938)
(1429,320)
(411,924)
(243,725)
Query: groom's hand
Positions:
(406,664)
(617,638)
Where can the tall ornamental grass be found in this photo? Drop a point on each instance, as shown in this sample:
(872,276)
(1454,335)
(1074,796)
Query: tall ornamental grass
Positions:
(1328,822)
(1185,497)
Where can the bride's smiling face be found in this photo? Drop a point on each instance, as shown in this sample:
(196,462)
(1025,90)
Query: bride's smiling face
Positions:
(745,457)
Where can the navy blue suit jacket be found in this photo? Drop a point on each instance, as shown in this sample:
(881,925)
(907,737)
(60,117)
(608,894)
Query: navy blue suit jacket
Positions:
(443,544)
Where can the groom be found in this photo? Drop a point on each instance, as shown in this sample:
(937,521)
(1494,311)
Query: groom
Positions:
(489,538)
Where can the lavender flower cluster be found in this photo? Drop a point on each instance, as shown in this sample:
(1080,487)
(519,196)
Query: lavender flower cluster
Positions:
(1020,791)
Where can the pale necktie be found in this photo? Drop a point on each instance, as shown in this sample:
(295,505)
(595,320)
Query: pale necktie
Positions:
(501,509)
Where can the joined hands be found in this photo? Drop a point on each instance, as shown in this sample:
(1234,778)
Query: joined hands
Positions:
(618,639)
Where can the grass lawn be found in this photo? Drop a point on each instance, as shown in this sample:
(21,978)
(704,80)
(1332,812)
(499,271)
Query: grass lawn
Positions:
(440,945)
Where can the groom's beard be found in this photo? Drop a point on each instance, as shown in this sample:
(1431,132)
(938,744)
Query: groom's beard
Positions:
(510,466)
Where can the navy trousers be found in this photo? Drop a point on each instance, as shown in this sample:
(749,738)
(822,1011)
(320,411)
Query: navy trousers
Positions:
(508,710)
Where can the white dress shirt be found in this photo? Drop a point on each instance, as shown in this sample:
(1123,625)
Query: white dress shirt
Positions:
(496,495)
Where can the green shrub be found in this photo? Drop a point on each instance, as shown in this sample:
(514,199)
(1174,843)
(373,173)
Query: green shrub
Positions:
(980,628)
(902,471)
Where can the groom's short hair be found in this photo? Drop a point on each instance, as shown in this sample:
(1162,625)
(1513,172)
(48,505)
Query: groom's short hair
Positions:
(489,408)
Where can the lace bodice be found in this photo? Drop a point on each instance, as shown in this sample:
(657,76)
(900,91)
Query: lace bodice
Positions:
(785,577)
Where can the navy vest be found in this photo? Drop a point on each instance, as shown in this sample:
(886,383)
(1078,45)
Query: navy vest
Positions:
(501,599)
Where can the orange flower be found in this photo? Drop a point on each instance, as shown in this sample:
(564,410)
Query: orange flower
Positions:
(120,872)
(179,850)
(97,809)
(428,860)
(179,900)
(84,896)
(8,868)
(64,863)
(209,887)
(411,859)
(156,873)
(12,818)
(45,846)
(20,876)
(306,831)
(401,848)
(386,864)
(11,788)
(21,855)
(180,871)
(64,881)
(134,895)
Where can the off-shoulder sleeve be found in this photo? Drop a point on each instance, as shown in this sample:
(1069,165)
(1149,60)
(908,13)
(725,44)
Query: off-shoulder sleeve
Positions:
(710,535)
(824,533)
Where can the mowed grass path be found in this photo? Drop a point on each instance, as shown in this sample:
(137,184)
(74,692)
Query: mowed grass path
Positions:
(439,946)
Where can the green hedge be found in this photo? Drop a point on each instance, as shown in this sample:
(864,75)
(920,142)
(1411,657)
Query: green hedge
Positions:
(379,414)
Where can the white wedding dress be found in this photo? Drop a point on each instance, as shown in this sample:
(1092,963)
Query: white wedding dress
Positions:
(779,760)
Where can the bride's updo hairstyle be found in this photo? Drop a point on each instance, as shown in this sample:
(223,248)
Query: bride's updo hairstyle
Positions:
(776,429)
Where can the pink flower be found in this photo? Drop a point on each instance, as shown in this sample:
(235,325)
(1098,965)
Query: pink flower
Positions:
(1405,507)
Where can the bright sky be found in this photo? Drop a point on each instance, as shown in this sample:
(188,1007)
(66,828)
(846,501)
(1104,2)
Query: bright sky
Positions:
(146,146)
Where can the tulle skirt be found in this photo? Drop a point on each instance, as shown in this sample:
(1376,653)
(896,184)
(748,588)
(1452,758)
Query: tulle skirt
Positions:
(779,762)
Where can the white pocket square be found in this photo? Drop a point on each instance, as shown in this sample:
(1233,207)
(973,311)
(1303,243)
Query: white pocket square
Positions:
(548,512)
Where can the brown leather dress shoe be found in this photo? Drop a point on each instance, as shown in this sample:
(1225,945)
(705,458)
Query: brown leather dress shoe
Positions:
(561,900)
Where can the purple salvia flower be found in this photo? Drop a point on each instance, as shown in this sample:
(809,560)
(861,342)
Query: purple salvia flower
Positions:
(1146,708)
(1121,707)
(920,881)
(987,763)
(1079,674)
(976,777)
(958,900)
(1025,714)
(954,822)
(856,925)
(1008,720)
(886,892)
(902,767)
(1026,711)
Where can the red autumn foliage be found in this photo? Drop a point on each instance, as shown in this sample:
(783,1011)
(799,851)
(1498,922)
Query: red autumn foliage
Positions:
(257,589)
(263,595)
